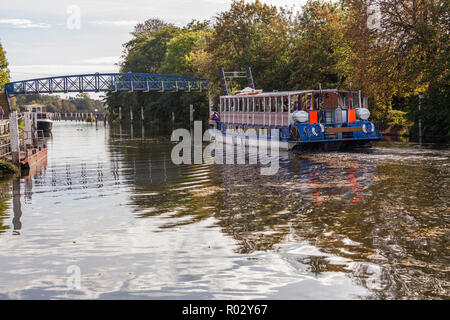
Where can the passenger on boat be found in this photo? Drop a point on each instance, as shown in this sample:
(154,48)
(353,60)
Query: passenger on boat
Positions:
(214,120)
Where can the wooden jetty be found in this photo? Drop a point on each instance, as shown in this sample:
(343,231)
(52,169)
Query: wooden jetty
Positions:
(24,149)
(30,157)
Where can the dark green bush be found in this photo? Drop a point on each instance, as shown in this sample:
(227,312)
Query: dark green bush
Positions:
(7,168)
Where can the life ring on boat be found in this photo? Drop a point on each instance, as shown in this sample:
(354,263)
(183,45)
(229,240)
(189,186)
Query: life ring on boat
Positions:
(295,134)
(364,128)
(306,131)
(317,129)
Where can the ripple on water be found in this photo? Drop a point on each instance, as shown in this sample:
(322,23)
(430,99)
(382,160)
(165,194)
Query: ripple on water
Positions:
(328,225)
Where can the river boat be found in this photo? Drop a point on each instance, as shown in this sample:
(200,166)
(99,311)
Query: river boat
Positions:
(300,119)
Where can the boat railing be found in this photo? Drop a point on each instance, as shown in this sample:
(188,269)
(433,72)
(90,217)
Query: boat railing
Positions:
(255,118)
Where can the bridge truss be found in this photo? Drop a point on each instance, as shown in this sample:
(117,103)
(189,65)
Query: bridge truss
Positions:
(108,82)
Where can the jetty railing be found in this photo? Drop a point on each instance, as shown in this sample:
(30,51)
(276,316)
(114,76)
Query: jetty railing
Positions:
(4,126)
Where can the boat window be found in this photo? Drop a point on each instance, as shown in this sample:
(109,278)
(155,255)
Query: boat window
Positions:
(343,100)
(308,101)
(293,100)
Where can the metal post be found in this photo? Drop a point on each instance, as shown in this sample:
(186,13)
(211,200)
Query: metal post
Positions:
(264,110)
(131,115)
(120,114)
(142,114)
(14,136)
(420,118)
(234,108)
(289,107)
(359,97)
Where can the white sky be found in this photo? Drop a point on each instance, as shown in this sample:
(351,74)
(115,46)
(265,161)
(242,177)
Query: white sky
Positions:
(38,42)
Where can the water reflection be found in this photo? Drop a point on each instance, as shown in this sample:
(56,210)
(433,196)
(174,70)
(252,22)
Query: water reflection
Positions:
(328,225)
(17,207)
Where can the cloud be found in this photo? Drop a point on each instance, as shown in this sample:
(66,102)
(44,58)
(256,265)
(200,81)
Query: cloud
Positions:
(24,72)
(117,23)
(99,60)
(24,23)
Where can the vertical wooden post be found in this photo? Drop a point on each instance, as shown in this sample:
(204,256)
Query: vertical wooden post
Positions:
(173,121)
(28,133)
(420,118)
(191,117)
(14,136)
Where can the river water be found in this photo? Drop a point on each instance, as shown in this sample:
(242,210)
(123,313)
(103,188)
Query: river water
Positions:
(361,225)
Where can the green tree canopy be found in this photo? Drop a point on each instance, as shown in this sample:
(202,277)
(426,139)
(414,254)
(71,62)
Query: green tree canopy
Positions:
(4,71)
(403,54)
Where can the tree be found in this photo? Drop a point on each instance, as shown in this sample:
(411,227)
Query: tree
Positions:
(407,54)
(149,27)
(4,71)
(319,45)
(328,42)
(146,53)
(165,49)
(256,35)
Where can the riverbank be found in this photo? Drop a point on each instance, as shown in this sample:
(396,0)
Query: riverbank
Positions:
(7,170)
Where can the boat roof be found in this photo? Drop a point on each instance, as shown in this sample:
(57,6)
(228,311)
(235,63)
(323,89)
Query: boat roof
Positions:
(288,93)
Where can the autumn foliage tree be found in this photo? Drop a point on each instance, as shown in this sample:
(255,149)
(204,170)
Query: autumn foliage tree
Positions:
(391,50)
(4,71)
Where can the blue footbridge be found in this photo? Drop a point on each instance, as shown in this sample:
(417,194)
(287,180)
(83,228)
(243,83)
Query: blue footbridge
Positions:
(107,82)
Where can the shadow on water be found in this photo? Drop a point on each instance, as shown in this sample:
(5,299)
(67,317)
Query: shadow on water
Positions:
(379,217)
